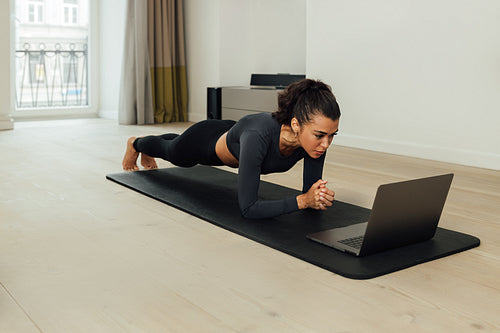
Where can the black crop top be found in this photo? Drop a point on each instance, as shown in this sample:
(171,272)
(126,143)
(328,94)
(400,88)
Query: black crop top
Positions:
(254,141)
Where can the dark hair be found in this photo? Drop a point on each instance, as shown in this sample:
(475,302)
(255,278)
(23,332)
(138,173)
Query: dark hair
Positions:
(304,99)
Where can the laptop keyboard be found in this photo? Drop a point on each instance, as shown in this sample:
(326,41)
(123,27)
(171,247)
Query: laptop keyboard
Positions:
(354,242)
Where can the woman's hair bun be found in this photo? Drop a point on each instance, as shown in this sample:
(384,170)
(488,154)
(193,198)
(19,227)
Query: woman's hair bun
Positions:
(305,98)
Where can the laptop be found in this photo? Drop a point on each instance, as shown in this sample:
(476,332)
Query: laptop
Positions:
(403,213)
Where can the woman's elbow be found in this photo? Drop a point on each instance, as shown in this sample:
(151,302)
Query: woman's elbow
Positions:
(247,214)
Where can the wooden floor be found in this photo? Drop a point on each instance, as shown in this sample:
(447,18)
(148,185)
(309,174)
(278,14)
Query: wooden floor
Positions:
(79,253)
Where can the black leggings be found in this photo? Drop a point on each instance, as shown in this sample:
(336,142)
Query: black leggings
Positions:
(195,146)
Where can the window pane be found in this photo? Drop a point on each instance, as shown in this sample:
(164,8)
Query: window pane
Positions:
(40,72)
(31,13)
(34,62)
(40,13)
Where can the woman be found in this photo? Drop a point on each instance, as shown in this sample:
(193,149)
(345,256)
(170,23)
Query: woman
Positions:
(303,128)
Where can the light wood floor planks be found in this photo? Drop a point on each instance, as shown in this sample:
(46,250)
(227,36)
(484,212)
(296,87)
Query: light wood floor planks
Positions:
(79,253)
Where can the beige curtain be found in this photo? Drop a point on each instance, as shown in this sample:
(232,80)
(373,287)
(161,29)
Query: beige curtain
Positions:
(135,104)
(167,59)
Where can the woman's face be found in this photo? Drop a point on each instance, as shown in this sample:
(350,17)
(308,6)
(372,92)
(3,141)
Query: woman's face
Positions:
(316,136)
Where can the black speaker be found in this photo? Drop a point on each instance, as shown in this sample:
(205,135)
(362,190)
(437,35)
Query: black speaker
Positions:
(214,103)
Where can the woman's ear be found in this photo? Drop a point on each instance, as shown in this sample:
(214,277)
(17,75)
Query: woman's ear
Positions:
(295,125)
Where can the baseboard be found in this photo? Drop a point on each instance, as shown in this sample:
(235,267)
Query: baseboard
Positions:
(443,154)
(108,114)
(6,122)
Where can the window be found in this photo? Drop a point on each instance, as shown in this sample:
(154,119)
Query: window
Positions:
(35,11)
(70,8)
(51,57)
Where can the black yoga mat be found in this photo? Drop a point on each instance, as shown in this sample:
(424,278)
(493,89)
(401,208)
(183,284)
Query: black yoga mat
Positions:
(211,194)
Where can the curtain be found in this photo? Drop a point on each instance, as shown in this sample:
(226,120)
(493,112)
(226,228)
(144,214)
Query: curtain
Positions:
(167,59)
(153,85)
(135,104)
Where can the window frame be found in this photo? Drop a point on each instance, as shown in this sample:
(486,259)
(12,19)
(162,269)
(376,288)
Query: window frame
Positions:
(91,110)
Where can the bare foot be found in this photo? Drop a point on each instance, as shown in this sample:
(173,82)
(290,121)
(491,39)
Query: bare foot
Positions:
(148,162)
(130,159)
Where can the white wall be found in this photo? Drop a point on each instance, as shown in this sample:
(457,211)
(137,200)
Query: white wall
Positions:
(5,79)
(236,42)
(112,30)
(202,35)
(419,78)
(279,36)
(228,40)
(261,36)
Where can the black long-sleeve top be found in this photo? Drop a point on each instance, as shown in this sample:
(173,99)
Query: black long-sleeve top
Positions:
(254,141)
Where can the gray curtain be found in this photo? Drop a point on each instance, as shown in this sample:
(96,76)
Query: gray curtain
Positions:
(168,60)
(136,101)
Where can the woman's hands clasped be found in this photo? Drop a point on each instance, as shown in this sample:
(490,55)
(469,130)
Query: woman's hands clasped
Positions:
(318,197)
